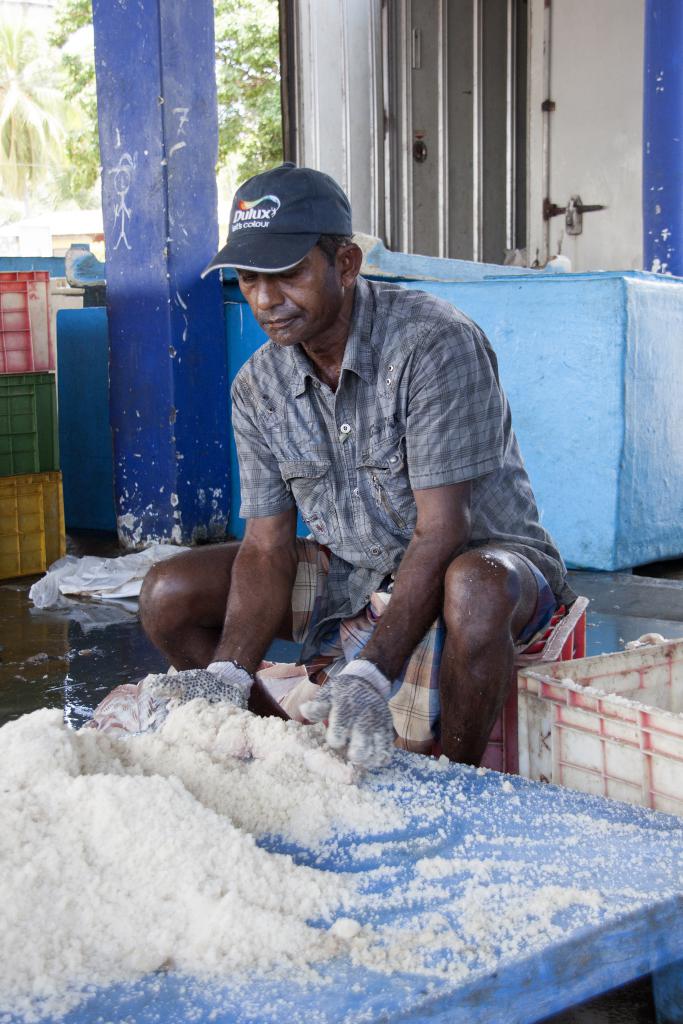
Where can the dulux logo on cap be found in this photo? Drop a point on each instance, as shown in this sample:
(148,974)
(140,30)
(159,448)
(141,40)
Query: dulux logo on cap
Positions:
(255,213)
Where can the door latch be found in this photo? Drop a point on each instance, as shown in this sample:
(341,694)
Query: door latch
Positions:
(573,213)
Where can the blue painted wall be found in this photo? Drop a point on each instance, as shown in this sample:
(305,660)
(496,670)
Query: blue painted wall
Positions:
(382,262)
(53,264)
(591,366)
(86,457)
(244,336)
(158,138)
(560,351)
(663,137)
(651,488)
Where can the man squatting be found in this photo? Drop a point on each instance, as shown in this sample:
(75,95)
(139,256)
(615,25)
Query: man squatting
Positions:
(377,413)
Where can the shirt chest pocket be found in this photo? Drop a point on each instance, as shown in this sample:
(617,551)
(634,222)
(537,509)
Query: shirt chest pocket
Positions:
(383,477)
(311,486)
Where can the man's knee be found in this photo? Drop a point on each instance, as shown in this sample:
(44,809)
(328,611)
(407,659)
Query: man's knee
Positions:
(481,593)
(187,590)
(165,599)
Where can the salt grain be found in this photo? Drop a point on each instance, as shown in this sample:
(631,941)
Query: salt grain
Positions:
(345,928)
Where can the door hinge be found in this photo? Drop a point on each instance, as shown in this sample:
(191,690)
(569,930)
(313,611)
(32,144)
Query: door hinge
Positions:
(573,213)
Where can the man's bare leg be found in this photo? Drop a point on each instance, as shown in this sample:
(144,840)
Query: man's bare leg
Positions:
(182,609)
(489,597)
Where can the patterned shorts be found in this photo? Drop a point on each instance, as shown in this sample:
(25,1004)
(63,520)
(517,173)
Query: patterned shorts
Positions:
(414,702)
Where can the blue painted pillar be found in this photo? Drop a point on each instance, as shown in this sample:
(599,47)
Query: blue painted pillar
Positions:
(663,137)
(156,95)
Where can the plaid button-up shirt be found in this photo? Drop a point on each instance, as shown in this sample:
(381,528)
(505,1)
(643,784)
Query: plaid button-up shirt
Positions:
(418,405)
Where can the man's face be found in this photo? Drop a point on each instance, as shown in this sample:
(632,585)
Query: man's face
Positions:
(297,305)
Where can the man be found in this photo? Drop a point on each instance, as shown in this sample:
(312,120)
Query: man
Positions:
(377,413)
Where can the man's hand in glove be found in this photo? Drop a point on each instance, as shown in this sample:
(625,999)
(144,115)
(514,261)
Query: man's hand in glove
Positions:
(221,681)
(356,705)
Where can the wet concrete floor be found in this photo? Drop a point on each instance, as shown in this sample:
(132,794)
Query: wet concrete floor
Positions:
(69,658)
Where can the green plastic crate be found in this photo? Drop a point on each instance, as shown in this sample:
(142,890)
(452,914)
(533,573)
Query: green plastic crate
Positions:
(28,423)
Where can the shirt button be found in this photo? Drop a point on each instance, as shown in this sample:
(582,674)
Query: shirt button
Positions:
(345,428)
(374,550)
(356,492)
(394,458)
(390,367)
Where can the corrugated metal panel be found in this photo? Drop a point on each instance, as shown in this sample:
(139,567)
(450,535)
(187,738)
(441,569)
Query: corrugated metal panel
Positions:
(338,105)
(444,72)
(454,97)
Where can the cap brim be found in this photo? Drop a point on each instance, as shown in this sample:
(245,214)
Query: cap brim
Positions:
(263,255)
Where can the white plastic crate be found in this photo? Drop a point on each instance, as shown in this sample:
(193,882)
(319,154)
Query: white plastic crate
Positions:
(610,725)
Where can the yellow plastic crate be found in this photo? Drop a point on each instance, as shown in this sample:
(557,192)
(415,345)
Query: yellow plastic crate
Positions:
(32,532)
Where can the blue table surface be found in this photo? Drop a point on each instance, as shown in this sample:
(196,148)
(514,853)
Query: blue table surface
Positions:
(499,839)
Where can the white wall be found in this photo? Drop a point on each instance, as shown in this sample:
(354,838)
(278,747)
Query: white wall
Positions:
(587,56)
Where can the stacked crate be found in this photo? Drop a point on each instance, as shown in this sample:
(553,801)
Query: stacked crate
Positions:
(31,503)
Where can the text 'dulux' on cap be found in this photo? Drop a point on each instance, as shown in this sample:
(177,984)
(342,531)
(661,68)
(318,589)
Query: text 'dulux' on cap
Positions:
(278,216)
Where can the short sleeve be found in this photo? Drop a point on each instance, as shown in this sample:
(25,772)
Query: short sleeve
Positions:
(263,492)
(456,409)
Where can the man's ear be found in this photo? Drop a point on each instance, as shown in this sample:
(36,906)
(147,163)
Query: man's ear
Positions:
(349,259)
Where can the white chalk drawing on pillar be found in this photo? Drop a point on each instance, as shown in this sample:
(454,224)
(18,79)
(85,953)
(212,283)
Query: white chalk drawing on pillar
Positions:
(123,179)
(183,115)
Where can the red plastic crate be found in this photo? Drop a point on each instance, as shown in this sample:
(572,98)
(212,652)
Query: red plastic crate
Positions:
(563,640)
(26,344)
(15,328)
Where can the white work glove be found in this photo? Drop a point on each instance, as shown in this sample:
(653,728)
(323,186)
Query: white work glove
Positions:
(221,681)
(356,705)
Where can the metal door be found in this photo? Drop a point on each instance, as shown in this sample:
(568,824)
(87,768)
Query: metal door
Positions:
(456,104)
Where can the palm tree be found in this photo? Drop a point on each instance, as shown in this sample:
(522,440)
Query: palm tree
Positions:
(31,129)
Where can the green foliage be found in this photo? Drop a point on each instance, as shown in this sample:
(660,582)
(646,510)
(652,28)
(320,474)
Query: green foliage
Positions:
(248,82)
(71,15)
(31,113)
(81,166)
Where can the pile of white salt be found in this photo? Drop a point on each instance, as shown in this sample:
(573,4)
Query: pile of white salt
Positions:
(123,856)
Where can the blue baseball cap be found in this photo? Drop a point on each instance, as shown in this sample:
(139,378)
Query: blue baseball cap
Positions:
(278,216)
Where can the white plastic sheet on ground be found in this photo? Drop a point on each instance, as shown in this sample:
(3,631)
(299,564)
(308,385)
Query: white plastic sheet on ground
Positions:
(104,579)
